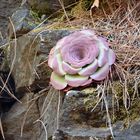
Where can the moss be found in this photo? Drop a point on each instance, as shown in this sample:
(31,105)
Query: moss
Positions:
(117,113)
(41,8)
(122,113)
(134,111)
(35,15)
(127,115)
(89,103)
(80,10)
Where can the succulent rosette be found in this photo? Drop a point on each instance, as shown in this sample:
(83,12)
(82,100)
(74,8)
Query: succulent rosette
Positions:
(80,58)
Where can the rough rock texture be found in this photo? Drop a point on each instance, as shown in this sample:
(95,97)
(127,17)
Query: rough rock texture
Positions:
(7,7)
(14,119)
(77,122)
(48,6)
(31,50)
(23,22)
(48,107)
(44,108)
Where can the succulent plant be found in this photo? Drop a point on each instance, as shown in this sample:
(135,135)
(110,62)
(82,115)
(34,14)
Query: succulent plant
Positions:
(79,59)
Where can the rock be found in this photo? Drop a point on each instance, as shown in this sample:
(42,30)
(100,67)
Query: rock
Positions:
(44,109)
(30,56)
(48,6)
(23,58)
(23,22)
(31,72)
(7,7)
(78,122)
(48,107)
(13,120)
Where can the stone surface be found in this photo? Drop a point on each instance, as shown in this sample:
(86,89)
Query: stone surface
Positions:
(7,7)
(14,119)
(48,107)
(23,21)
(28,63)
(78,122)
(48,6)
(26,57)
(44,108)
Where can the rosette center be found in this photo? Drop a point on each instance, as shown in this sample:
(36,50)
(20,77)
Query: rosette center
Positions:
(78,54)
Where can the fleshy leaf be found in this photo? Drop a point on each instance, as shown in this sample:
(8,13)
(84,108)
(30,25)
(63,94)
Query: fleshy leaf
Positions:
(89,33)
(57,65)
(60,43)
(102,73)
(103,56)
(111,57)
(75,80)
(103,43)
(89,81)
(57,81)
(90,69)
(51,58)
(69,69)
(79,50)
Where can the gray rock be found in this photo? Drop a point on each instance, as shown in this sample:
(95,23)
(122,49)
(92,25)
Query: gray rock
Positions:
(7,7)
(30,55)
(13,120)
(44,108)
(23,22)
(48,107)
(78,122)
(31,73)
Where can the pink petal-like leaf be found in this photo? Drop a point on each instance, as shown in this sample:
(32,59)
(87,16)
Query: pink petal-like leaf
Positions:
(87,82)
(57,81)
(102,73)
(51,58)
(103,56)
(79,58)
(89,33)
(69,69)
(90,69)
(103,43)
(111,57)
(75,80)
(60,43)
(57,65)
(79,50)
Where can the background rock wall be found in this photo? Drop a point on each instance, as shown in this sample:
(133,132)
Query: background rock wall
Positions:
(7,7)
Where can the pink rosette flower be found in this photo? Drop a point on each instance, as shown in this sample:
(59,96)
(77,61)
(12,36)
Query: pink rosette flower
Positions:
(80,58)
